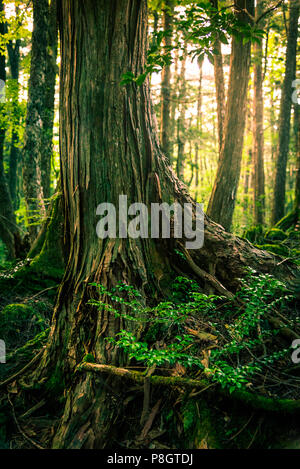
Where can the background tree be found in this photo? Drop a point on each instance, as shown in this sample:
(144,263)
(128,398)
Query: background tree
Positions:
(278,209)
(258,127)
(222,201)
(39,122)
(166,90)
(9,231)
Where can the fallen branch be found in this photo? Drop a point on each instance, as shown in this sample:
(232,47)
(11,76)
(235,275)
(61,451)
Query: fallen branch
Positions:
(252,400)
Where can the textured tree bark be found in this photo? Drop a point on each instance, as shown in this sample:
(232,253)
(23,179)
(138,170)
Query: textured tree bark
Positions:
(258,129)
(166,91)
(222,201)
(40,111)
(278,209)
(109,146)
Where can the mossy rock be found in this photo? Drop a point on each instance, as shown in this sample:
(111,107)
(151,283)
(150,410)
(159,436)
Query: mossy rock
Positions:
(278,249)
(19,323)
(275,234)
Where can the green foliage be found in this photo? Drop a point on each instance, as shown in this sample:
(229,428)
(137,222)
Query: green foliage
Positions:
(167,342)
(201,25)
(278,249)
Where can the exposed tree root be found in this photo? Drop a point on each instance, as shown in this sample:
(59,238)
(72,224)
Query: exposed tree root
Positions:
(23,371)
(26,437)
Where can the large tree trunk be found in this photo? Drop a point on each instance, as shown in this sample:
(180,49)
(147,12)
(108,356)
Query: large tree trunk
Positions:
(258,130)
(278,209)
(166,91)
(222,201)
(109,147)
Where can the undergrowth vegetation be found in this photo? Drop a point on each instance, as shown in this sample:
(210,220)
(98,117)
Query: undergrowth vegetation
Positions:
(232,343)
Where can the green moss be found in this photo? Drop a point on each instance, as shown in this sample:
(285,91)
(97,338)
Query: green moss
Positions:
(289,220)
(31,346)
(275,249)
(294,235)
(89,358)
(56,382)
(17,320)
(255,234)
(199,425)
(265,403)
(276,234)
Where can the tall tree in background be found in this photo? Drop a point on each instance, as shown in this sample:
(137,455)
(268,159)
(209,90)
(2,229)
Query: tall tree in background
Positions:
(278,209)
(39,121)
(13,48)
(222,201)
(220,83)
(198,146)
(181,123)
(166,91)
(49,99)
(297,191)
(258,128)
(9,231)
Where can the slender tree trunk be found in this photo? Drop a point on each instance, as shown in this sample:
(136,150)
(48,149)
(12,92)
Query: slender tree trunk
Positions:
(222,201)
(9,231)
(174,102)
(48,115)
(297,191)
(199,128)
(109,147)
(166,91)
(278,208)
(220,84)
(14,61)
(40,111)
(258,130)
(181,119)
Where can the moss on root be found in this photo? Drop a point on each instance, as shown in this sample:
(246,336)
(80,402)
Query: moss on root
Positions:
(17,320)
(275,234)
(278,249)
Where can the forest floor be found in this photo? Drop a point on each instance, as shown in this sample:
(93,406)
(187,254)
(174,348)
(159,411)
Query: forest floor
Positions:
(231,359)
